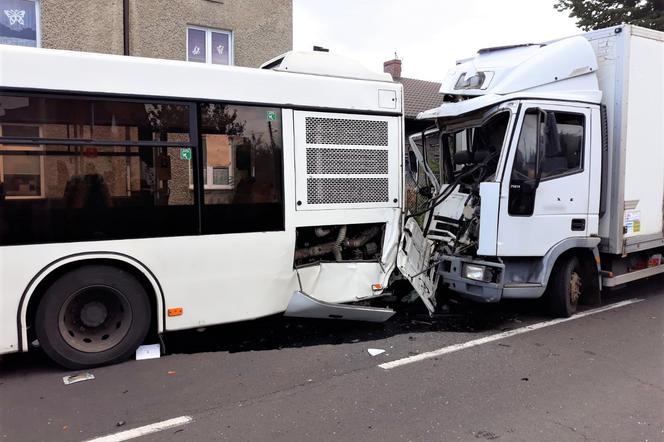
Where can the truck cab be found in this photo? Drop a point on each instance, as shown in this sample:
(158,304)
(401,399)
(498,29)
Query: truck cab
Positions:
(517,159)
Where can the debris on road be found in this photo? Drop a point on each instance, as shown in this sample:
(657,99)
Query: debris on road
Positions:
(74,378)
(172,372)
(150,351)
(375,351)
(120,423)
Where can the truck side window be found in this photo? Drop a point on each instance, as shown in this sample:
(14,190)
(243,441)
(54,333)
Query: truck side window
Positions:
(563,147)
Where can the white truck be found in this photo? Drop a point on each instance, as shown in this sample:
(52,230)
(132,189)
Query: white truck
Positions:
(546,162)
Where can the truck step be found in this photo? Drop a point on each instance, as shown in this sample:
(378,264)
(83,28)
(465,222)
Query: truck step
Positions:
(302,305)
(612,281)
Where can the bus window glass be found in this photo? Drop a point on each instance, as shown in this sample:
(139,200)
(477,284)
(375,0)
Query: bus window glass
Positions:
(99,120)
(140,121)
(242,152)
(80,193)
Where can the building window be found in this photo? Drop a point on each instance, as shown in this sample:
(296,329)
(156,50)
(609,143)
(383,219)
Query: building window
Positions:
(209,46)
(19,22)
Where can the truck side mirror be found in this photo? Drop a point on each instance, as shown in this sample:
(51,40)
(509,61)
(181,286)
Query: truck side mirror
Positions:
(542,119)
(524,184)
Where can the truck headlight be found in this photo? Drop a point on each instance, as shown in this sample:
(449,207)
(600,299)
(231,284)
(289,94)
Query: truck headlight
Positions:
(477,272)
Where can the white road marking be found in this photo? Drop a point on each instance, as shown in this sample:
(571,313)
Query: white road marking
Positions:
(498,336)
(142,431)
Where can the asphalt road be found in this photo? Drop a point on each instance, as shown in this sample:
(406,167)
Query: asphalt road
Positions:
(598,377)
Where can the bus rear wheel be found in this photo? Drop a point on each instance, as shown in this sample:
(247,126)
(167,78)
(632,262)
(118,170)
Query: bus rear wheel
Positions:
(93,315)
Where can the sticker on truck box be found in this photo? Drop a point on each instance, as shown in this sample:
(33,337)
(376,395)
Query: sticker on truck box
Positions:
(632,221)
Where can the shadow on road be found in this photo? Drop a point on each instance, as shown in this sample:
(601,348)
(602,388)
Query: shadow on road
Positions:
(278,332)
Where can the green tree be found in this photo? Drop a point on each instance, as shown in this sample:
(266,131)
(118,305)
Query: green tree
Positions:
(597,14)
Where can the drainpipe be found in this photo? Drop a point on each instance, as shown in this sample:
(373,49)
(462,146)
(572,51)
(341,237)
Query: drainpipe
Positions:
(125,25)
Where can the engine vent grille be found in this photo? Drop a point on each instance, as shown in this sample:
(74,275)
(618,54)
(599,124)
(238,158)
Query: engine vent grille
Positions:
(342,131)
(347,190)
(347,161)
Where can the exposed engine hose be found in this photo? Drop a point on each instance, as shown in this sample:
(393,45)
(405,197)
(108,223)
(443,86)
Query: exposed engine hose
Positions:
(321,231)
(362,239)
(341,236)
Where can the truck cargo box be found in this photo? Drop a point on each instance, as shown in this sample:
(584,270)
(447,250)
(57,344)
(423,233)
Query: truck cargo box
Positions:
(631,77)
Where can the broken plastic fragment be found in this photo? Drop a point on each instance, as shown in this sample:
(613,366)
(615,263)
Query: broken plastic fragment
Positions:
(72,379)
(375,351)
(151,351)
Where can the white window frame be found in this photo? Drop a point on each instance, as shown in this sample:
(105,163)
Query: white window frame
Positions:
(38,37)
(42,181)
(208,43)
(209,171)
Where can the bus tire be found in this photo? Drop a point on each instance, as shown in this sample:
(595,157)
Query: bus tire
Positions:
(93,315)
(565,287)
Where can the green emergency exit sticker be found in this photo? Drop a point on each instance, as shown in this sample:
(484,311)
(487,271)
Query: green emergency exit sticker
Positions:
(271,116)
(185,154)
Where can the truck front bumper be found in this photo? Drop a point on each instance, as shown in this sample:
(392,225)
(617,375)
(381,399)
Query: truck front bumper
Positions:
(452,270)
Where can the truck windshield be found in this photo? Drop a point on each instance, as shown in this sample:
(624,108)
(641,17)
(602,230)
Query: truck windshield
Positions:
(475,141)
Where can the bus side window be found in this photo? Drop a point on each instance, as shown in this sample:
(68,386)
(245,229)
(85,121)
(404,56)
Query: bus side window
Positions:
(243,172)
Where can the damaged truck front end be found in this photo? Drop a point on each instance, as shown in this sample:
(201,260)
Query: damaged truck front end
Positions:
(460,160)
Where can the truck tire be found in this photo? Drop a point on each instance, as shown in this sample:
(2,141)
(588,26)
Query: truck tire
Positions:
(93,315)
(565,287)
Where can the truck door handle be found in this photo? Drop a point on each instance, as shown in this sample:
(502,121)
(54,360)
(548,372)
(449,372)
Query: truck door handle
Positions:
(578,225)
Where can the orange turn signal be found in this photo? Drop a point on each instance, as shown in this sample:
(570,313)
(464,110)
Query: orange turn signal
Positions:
(376,287)
(176,311)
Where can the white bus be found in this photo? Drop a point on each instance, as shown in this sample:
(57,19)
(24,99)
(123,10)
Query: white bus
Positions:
(141,195)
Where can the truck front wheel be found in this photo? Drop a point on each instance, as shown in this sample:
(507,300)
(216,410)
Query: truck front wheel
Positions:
(565,287)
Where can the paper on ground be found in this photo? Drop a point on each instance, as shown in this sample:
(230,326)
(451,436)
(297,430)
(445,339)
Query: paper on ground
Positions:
(72,379)
(375,351)
(151,351)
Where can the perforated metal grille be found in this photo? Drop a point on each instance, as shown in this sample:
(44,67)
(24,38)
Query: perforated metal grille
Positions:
(343,131)
(347,190)
(346,161)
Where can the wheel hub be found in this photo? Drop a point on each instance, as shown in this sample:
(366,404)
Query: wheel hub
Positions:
(95,319)
(93,314)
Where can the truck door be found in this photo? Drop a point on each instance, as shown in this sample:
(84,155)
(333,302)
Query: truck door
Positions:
(416,257)
(544,192)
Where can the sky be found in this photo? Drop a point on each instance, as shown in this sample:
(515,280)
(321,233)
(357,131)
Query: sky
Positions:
(427,35)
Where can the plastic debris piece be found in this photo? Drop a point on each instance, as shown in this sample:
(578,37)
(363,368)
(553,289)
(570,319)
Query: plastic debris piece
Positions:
(120,423)
(150,351)
(172,372)
(74,378)
(375,351)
